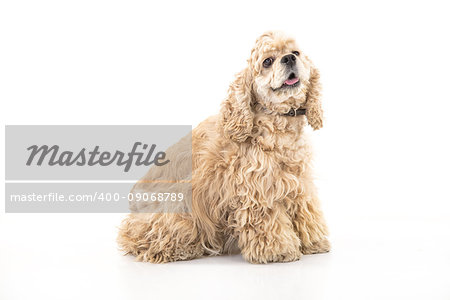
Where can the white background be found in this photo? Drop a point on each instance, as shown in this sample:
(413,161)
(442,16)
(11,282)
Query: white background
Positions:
(382,158)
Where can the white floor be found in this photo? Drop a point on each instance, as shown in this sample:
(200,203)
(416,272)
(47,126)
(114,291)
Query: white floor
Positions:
(74,256)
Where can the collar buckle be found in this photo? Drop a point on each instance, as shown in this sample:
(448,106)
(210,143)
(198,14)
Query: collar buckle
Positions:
(295,112)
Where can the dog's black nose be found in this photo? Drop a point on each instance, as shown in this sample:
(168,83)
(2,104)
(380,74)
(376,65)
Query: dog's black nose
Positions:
(288,60)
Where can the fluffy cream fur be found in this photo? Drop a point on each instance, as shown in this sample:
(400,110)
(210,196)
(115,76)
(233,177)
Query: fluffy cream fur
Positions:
(252,186)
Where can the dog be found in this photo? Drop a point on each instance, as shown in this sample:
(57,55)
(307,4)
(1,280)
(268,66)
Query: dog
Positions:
(252,183)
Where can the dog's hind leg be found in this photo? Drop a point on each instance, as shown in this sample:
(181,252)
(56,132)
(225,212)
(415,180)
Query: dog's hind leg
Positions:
(160,237)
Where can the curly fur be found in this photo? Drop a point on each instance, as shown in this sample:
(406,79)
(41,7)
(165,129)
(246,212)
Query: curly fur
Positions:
(252,184)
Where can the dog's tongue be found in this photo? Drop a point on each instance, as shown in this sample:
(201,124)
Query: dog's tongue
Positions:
(291,81)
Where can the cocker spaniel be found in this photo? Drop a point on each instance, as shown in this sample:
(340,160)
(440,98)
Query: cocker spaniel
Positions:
(252,184)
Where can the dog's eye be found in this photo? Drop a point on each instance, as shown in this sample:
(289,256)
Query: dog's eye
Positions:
(296,53)
(267,62)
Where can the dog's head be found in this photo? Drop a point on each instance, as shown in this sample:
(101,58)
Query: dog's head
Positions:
(278,77)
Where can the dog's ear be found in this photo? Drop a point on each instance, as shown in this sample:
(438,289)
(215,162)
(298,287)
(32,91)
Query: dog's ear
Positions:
(314,112)
(236,116)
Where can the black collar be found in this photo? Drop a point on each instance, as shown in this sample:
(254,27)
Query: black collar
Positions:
(295,112)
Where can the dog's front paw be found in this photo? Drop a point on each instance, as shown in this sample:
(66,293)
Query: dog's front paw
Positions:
(262,259)
(322,246)
(270,256)
(272,252)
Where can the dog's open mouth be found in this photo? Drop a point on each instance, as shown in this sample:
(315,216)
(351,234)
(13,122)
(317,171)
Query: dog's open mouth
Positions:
(291,82)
